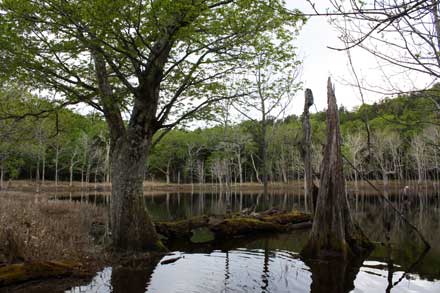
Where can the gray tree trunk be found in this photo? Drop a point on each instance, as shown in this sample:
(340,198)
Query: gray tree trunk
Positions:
(43,169)
(333,233)
(71,166)
(132,228)
(257,176)
(307,146)
(107,161)
(265,155)
(168,172)
(240,169)
(57,155)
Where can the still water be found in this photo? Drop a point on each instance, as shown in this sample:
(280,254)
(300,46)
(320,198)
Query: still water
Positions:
(272,263)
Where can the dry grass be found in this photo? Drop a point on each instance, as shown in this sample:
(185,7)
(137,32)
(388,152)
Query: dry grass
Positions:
(33,228)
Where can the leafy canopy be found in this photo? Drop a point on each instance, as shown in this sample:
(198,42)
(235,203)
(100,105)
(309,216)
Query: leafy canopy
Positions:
(175,58)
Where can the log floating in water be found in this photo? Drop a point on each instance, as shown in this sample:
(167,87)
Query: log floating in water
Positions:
(234,226)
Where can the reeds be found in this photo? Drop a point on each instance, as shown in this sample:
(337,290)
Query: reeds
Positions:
(34,229)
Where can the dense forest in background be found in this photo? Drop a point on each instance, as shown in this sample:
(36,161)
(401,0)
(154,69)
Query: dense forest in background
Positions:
(67,146)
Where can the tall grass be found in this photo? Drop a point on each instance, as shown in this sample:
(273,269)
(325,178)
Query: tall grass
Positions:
(33,228)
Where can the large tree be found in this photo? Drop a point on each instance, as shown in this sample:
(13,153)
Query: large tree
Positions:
(146,65)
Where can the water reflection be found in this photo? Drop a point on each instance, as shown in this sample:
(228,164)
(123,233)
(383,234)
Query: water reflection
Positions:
(334,276)
(270,264)
(173,206)
(232,271)
(248,270)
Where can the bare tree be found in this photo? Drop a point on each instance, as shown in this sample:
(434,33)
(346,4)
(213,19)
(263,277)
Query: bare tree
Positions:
(404,34)
(307,145)
(273,92)
(355,144)
(334,231)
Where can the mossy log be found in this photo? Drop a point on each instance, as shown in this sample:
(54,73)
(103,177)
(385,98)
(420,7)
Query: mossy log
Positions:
(234,226)
(22,272)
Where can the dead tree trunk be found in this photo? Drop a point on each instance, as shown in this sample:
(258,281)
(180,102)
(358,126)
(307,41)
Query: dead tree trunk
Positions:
(334,232)
(306,146)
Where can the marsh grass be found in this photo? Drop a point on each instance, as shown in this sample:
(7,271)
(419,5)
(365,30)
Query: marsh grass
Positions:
(35,229)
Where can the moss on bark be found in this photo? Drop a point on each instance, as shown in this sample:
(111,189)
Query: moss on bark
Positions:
(234,226)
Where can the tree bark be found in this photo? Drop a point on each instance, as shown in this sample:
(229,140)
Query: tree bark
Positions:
(257,176)
(264,155)
(334,232)
(57,155)
(240,169)
(132,228)
(2,176)
(107,161)
(168,172)
(307,145)
(43,169)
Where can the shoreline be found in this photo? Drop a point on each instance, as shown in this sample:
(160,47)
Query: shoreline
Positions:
(153,187)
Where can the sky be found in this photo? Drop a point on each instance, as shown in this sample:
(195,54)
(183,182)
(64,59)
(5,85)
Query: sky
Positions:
(320,62)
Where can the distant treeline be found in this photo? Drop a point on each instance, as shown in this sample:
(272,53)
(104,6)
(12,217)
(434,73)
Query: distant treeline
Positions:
(396,138)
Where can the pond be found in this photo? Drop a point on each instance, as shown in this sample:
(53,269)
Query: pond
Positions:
(272,263)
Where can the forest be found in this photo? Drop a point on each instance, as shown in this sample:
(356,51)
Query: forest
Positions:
(219,146)
(68,146)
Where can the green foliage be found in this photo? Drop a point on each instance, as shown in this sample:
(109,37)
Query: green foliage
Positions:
(191,51)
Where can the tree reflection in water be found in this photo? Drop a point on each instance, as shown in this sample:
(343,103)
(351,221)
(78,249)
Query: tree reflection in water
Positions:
(334,275)
(257,270)
(133,277)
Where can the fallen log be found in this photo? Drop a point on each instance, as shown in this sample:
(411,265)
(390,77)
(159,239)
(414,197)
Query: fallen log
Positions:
(23,272)
(215,229)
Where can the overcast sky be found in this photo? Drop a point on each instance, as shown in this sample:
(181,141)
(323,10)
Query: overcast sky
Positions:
(319,62)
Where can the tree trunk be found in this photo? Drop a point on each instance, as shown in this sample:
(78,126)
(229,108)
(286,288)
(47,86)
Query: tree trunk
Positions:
(255,169)
(95,180)
(82,177)
(334,232)
(168,172)
(132,228)
(71,175)
(265,155)
(72,165)
(57,155)
(107,162)
(88,169)
(240,168)
(2,176)
(37,172)
(307,146)
(43,169)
